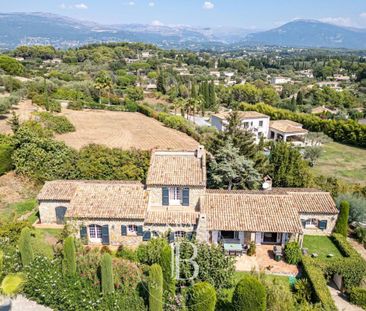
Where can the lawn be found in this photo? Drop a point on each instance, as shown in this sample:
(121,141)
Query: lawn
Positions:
(321,245)
(15,210)
(344,162)
(43,241)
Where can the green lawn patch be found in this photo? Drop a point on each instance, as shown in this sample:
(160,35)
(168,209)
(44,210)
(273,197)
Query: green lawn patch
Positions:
(18,209)
(43,241)
(321,245)
(342,161)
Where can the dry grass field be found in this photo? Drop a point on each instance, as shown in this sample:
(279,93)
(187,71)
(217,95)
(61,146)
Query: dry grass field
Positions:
(122,130)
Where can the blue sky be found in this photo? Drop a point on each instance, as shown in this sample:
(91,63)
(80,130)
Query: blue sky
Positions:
(251,14)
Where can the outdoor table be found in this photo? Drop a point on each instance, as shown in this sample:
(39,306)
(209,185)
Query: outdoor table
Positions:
(232,248)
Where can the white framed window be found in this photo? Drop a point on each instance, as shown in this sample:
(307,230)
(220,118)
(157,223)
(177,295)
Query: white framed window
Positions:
(246,124)
(311,223)
(175,196)
(179,234)
(131,229)
(95,232)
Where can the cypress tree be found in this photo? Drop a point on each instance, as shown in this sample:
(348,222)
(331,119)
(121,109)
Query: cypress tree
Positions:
(1,262)
(193,91)
(212,96)
(155,284)
(107,274)
(25,247)
(166,266)
(342,222)
(202,297)
(299,98)
(69,261)
(249,294)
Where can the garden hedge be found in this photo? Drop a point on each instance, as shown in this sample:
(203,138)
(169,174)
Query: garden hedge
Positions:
(343,131)
(6,163)
(319,284)
(202,297)
(358,296)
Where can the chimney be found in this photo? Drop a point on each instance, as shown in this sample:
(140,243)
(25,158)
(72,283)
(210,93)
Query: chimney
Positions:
(267,183)
(200,151)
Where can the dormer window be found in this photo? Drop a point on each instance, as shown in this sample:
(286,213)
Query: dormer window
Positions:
(175,196)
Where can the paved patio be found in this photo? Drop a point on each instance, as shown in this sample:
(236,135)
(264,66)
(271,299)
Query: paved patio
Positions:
(264,261)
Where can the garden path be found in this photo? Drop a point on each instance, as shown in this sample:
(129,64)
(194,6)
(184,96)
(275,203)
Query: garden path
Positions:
(20,303)
(341,303)
(358,247)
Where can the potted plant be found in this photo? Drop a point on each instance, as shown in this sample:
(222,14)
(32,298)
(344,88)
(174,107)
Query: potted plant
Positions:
(11,285)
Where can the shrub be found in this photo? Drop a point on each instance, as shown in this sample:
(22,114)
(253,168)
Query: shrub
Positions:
(357,204)
(166,265)
(105,249)
(318,283)
(358,296)
(202,297)
(361,234)
(293,253)
(107,274)
(155,283)
(25,247)
(58,124)
(342,221)
(6,163)
(150,252)
(279,296)
(126,253)
(69,261)
(252,249)
(126,273)
(249,294)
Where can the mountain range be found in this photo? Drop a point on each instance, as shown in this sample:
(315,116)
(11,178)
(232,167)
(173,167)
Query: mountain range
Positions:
(62,32)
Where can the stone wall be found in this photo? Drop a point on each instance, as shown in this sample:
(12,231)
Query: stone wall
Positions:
(331,221)
(47,210)
(155,197)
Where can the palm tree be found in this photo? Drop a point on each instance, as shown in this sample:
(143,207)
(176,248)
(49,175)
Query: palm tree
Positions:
(103,83)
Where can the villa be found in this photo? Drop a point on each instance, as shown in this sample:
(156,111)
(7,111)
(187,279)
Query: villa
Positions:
(175,201)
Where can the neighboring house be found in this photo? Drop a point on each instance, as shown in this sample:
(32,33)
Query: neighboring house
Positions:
(286,130)
(175,201)
(280,80)
(253,121)
(323,109)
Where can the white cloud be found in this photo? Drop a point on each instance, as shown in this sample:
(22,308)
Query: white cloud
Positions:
(151,4)
(363,15)
(341,21)
(208,5)
(78,6)
(157,23)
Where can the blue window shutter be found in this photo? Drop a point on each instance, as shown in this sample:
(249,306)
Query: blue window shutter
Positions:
(323,224)
(165,191)
(189,235)
(105,235)
(83,232)
(146,236)
(123,230)
(140,231)
(185,197)
(171,237)
(303,221)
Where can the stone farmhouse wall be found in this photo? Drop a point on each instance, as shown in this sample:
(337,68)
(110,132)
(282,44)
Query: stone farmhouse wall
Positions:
(47,210)
(331,221)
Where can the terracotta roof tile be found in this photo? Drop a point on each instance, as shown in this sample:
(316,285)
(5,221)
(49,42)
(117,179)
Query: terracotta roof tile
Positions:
(242,114)
(58,190)
(171,218)
(287,126)
(176,168)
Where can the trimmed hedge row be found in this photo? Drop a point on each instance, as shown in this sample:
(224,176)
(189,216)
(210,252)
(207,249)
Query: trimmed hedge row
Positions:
(343,131)
(344,247)
(358,296)
(319,284)
(174,122)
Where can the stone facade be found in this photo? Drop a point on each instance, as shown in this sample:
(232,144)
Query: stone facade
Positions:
(155,198)
(314,230)
(47,210)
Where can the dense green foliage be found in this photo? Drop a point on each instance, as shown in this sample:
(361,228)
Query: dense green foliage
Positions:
(357,211)
(292,253)
(348,132)
(358,296)
(10,65)
(155,284)
(249,294)
(69,254)
(167,263)
(6,163)
(107,274)
(341,226)
(151,252)
(25,247)
(58,124)
(202,297)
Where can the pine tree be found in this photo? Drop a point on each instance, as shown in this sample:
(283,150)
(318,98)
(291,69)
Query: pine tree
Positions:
(342,222)
(161,83)
(107,274)
(155,284)
(25,247)
(166,265)
(69,253)
(14,122)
